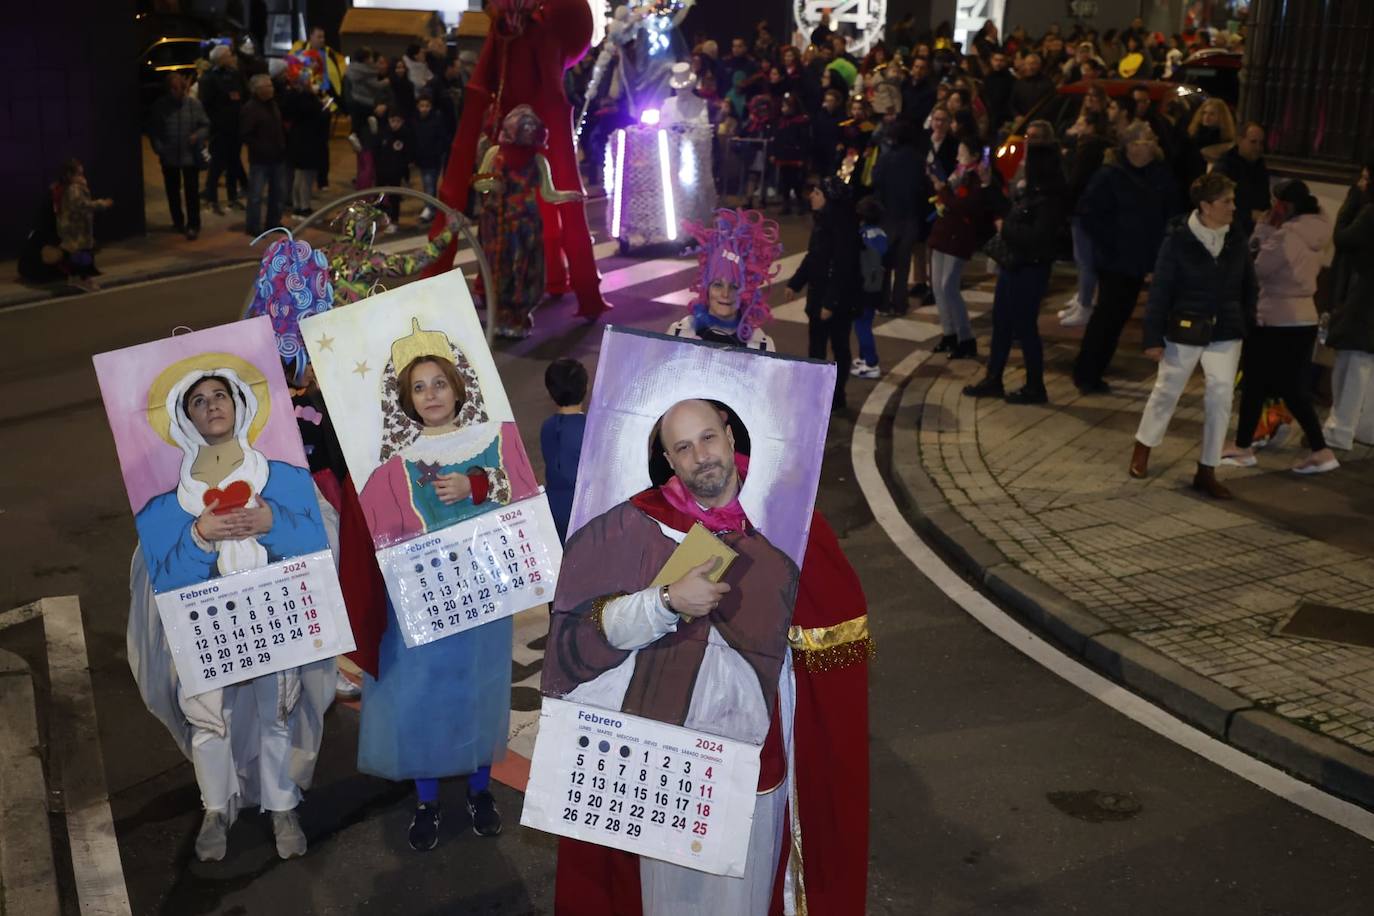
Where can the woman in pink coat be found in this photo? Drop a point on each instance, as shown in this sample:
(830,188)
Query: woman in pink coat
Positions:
(1277,359)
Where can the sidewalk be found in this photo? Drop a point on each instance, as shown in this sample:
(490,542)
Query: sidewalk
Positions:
(162,252)
(1173,594)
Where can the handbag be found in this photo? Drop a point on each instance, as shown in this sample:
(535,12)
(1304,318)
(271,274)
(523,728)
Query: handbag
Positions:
(998,249)
(1193,329)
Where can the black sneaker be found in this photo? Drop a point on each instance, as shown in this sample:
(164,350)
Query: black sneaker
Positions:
(945,345)
(1096,387)
(987,388)
(917,291)
(1028,395)
(424,827)
(486,820)
(965,349)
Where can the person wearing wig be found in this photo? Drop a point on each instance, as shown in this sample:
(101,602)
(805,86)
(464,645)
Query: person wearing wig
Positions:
(233,509)
(736,256)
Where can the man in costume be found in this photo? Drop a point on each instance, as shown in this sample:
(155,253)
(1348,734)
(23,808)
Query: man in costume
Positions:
(531,43)
(673,647)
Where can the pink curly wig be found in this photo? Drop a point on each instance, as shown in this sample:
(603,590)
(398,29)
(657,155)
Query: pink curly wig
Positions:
(741,248)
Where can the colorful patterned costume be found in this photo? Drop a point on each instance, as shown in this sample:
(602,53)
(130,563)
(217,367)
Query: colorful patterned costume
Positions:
(292,284)
(356,268)
(532,42)
(513,178)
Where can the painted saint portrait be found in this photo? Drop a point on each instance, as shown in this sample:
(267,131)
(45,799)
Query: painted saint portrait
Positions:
(212,494)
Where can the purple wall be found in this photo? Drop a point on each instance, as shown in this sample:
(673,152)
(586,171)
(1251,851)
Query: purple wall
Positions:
(71,90)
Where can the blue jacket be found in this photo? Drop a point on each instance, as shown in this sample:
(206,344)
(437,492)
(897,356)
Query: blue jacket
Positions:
(1125,210)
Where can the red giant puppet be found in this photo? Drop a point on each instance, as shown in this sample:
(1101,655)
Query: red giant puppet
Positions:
(530,44)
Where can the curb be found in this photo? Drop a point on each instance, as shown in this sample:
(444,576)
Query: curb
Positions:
(28,879)
(45,294)
(1222,713)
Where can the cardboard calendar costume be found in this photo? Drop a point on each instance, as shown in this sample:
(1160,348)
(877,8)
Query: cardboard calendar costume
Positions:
(204,427)
(813,782)
(433,708)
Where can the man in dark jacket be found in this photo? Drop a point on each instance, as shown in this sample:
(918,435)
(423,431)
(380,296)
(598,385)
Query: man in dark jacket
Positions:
(830,274)
(825,133)
(222,92)
(918,93)
(1124,211)
(260,125)
(997,89)
(178,128)
(1030,88)
(899,184)
(1244,164)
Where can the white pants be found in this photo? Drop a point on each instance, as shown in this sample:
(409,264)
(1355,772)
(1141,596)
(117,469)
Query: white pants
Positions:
(1219,361)
(672,890)
(213,756)
(1352,395)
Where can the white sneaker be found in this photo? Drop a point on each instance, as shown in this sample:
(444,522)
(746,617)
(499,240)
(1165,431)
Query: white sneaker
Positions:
(213,839)
(286,827)
(1240,460)
(1069,307)
(1076,318)
(864,370)
(1308,467)
(344,689)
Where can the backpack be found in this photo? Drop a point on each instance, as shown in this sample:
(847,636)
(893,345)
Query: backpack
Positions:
(871,261)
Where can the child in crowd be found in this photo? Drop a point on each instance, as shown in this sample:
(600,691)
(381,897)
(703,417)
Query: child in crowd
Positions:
(872,257)
(560,438)
(395,151)
(431,144)
(76,209)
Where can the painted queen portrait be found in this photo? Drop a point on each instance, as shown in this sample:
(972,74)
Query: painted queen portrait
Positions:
(233,508)
(443,458)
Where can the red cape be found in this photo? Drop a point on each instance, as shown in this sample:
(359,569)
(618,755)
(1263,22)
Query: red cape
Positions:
(829,852)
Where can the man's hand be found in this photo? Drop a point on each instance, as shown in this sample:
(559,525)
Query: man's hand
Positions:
(826,314)
(695,595)
(453,488)
(1155,353)
(788,294)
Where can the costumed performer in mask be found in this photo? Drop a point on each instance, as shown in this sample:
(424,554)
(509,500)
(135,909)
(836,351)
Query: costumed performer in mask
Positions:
(736,256)
(510,226)
(255,742)
(442,708)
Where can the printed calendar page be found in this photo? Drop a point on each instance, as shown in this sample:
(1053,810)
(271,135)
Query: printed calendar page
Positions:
(261,621)
(656,790)
(473,572)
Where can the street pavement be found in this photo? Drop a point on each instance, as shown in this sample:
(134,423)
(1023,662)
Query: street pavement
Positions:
(998,787)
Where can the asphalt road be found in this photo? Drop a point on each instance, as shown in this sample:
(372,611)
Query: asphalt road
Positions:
(997,787)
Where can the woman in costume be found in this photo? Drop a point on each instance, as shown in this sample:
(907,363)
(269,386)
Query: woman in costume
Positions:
(441,708)
(513,178)
(736,257)
(233,509)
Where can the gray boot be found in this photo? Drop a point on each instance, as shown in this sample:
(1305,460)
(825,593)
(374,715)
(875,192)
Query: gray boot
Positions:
(290,838)
(214,836)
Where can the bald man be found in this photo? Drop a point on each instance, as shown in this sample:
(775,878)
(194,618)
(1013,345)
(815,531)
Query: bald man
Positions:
(721,658)
(695,652)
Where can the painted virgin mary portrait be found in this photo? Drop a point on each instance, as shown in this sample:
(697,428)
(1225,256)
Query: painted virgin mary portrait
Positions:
(233,508)
(443,459)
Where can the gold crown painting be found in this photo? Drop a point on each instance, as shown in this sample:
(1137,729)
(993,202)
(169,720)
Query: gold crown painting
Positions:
(420,343)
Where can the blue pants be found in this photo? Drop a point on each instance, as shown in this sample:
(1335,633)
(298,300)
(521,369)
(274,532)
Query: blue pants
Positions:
(1083,259)
(273,178)
(1016,315)
(946,277)
(427,790)
(863,330)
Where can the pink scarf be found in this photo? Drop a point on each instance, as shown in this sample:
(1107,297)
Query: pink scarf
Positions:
(716,520)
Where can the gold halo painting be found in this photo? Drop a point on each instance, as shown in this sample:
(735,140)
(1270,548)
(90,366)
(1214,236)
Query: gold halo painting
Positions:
(422,417)
(203,425)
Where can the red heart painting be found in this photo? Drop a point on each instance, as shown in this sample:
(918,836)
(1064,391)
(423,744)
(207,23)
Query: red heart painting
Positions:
(234,496)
